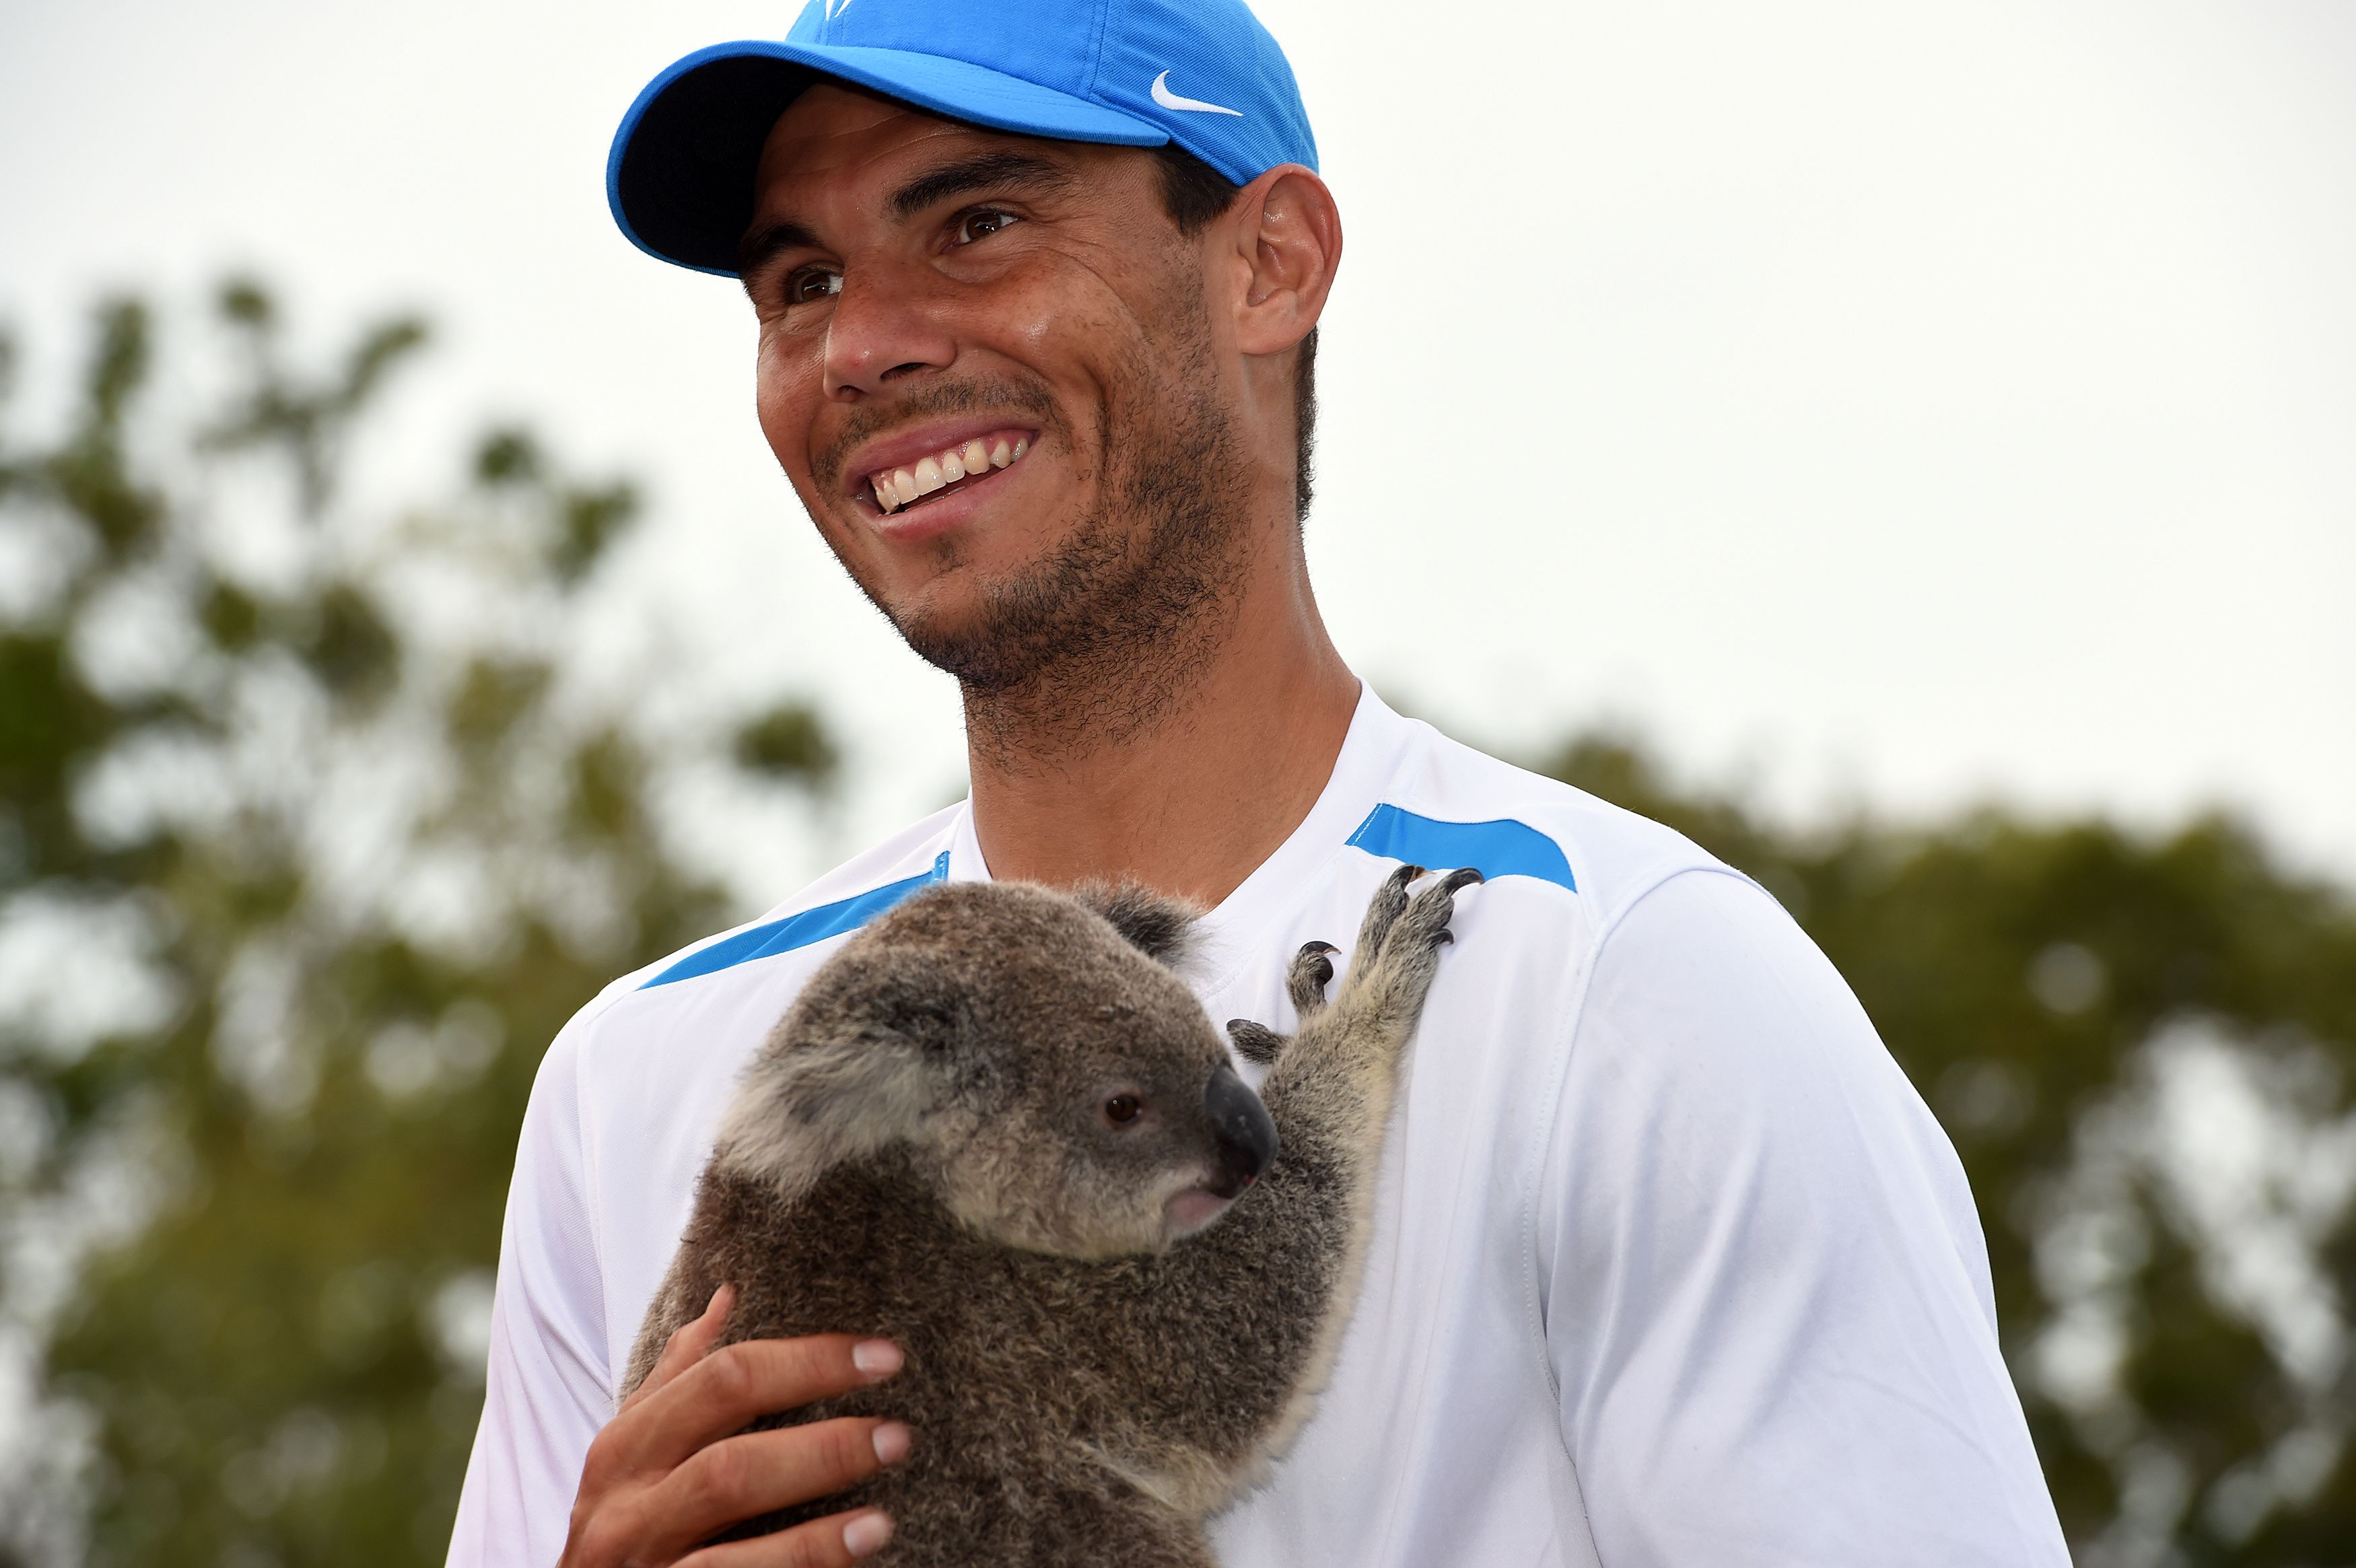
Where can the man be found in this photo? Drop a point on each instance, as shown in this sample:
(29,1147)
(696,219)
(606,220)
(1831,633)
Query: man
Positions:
(1671,1264)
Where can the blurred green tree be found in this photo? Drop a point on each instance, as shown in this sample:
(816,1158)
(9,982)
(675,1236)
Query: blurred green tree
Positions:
(2142,1048)
(309,842)
(312,835)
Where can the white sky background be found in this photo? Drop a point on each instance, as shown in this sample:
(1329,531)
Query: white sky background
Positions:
(1911,402)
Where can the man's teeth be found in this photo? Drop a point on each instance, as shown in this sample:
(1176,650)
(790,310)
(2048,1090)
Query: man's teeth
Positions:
(894,488)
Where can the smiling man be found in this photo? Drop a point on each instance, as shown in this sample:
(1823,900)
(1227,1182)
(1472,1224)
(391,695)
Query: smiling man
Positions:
(1670,1264)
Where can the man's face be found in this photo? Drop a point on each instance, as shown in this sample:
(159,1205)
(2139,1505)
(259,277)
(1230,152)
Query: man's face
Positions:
(936,300)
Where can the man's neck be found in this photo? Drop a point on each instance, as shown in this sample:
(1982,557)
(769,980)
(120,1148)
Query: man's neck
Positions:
(1202,790)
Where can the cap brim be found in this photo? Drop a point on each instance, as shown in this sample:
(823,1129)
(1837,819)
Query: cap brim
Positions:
(679,178)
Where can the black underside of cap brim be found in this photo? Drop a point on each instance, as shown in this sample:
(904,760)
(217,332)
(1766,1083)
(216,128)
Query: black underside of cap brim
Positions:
(685,182)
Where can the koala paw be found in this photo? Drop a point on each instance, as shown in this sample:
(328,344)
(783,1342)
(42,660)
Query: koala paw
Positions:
(1399,965)
(1426,919)
(1255,1042)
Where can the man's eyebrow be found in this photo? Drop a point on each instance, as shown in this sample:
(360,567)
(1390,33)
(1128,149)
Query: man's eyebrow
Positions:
(764,240)
(975,172)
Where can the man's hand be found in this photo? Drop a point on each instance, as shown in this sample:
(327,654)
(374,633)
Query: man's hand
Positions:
(674,1468)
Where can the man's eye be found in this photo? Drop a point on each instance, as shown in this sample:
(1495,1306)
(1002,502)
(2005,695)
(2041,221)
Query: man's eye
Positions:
(981,224)
(812,283)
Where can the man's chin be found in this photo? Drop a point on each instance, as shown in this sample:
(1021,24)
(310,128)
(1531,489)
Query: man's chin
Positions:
(966,635)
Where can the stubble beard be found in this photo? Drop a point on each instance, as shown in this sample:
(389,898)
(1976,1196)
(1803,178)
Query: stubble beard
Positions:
(1101,639)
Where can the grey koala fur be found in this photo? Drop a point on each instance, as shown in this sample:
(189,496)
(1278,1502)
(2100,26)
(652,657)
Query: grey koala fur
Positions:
(921,1150)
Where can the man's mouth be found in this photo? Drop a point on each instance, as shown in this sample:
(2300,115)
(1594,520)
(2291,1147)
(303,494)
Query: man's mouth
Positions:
(951,469)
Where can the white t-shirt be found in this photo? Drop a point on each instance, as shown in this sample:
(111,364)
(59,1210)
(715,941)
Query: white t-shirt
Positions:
(1671,1264)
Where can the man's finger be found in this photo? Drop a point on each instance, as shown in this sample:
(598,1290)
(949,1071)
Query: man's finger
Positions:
(737,1384)
(831,1542)
(760,1472)
(686,1344)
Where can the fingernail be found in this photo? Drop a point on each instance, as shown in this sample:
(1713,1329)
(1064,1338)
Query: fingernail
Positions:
(877,1357)
(890,1443)
(865,1536)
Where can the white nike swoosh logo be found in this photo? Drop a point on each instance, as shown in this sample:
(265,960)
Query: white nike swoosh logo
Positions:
(1169,99)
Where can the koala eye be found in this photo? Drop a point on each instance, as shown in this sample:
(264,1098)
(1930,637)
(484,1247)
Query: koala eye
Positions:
(1123,1109)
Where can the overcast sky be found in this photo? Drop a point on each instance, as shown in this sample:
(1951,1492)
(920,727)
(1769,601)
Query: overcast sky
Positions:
(1907,402)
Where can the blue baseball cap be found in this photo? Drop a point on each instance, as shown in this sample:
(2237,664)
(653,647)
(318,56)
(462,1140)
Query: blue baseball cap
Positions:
(1138,73)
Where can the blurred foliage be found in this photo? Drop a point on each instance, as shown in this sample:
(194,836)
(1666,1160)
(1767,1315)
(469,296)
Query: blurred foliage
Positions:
(789,740)
(308,847)
(2093,1016)
(311,838)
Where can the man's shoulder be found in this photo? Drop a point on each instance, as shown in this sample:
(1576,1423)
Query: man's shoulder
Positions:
(843,899)
(642,1069)
(835,904)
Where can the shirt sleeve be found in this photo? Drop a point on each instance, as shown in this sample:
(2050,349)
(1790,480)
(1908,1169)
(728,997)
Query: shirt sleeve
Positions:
(1764,1288)
(547,1390)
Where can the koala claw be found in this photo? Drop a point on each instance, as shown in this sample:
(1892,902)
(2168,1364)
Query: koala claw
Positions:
(1312,972)
(1389,902)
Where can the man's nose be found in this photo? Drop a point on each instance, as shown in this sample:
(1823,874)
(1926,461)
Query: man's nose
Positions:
(886,328)
(1246,1136)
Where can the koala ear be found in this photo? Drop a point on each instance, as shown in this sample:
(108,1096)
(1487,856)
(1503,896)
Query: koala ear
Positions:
(1160,928)
(807,1105)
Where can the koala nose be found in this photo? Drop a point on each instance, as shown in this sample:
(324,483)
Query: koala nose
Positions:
(1246,1136)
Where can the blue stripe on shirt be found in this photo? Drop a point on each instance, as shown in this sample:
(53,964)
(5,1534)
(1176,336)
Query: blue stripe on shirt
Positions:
(1503,848)
(798,930)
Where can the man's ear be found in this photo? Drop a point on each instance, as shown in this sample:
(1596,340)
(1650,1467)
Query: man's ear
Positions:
(807,1103)
(1287,233)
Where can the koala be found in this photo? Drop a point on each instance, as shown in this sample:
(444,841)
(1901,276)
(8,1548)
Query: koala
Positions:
(998,1129)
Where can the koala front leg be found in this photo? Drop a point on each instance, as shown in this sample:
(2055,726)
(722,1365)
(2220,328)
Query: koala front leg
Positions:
(1335,1076)
(1250,1314)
